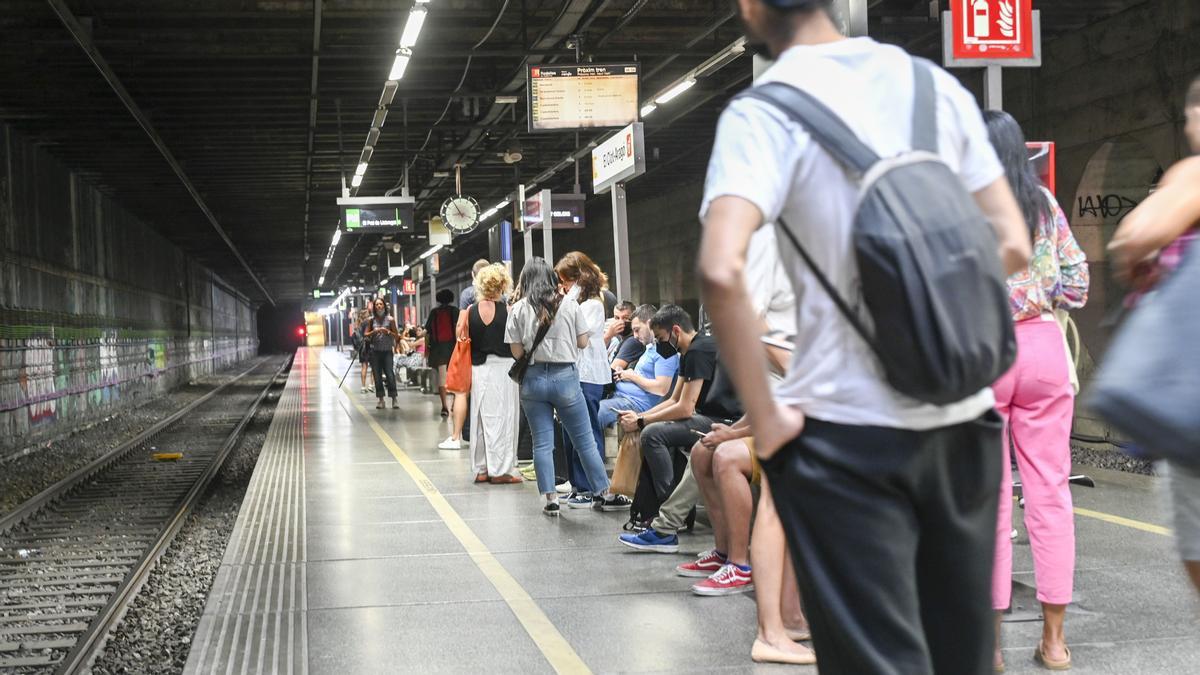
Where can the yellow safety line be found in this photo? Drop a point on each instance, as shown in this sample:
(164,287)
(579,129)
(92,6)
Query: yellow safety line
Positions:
(1127,522)
(545,634)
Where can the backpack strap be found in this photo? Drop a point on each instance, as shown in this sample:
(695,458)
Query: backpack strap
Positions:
(826,128)
(924,114)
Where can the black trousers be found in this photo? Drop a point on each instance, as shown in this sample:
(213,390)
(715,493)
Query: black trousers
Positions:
(660,439)
(893,533)
(383,364)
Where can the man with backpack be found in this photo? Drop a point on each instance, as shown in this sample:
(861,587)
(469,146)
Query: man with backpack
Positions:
(440,339)
(882,446)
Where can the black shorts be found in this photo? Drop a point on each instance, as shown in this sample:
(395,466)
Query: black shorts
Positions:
(362,355)
(440,353)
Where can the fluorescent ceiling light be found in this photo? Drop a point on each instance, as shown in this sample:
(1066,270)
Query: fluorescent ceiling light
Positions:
(501,205)
(366,155)
(487,214)
(412,29)
(675,91)
(399,66)
(431,251)
(372,137)
(337,236)
(321,281)
(356,181)
(507,100)
(424,2)
(380,116)
(648,108)
(362,168)
(389,92)
(327,261)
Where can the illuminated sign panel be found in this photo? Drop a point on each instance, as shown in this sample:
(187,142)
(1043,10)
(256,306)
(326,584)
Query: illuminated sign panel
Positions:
(586,96)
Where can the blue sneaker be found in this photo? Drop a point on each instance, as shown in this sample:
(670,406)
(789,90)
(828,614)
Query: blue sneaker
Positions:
(649,540)
(580,500)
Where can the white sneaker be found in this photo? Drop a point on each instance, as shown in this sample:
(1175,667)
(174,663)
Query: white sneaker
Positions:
(450,443)
(564,488)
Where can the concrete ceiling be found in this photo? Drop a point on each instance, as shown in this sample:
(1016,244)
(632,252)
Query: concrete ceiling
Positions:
(264,119)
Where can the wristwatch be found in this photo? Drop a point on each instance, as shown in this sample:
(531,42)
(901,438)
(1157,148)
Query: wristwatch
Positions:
(641,422)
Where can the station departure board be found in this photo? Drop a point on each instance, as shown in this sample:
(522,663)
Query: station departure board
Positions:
(582,96)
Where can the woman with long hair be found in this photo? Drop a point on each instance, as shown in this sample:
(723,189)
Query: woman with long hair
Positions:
(381,334)
(551,383)
(1037,401)
(584,282)
(493,399)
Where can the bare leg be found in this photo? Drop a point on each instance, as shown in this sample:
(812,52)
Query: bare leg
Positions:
(1193,570)
(789,603)
(998,654)
(731,468)
(364,375)
(768,553)
(702,469)
(462,405)
(1054,645)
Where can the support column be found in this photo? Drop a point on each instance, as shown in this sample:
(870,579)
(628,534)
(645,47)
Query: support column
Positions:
(621,241)
(547,228)
(993,89)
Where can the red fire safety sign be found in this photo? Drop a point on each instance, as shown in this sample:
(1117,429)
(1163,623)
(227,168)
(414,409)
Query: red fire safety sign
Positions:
(993,29)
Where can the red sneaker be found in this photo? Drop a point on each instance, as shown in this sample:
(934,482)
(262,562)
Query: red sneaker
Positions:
(728,580)
(706,565)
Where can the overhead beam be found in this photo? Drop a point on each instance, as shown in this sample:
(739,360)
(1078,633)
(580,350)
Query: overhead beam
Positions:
(85,42)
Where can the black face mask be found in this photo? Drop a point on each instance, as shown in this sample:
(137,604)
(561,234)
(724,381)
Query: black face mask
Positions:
(665,349)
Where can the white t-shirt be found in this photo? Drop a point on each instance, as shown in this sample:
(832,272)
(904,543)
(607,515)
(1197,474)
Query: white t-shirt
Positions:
(593,359)
(762,156)
(769,285)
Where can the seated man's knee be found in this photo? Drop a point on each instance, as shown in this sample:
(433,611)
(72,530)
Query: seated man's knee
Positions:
(702,461)
(732,457)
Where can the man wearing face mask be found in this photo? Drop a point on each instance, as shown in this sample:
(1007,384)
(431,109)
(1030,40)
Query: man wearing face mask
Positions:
(644,385)
(690,408)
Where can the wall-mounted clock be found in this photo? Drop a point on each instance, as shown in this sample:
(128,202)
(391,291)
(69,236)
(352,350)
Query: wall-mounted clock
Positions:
(461,214)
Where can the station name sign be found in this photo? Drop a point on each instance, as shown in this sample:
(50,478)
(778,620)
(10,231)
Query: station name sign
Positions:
(377,215)
(619,158)
(582,96)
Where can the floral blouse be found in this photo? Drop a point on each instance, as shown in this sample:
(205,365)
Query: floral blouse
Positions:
(1057,277)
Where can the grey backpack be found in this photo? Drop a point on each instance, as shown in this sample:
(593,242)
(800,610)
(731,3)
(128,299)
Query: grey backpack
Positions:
(930,272)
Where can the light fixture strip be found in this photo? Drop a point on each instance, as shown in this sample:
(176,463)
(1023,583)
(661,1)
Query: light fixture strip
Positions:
(412,29)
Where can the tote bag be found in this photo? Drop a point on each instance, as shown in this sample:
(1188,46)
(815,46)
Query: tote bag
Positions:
(458,372)
(1149,384)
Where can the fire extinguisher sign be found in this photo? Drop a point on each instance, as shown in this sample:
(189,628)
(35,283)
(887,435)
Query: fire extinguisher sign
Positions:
(993,30)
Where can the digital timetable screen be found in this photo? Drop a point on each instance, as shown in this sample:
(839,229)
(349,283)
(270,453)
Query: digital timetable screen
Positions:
(582,96)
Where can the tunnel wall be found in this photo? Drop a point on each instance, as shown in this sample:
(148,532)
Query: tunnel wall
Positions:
(97,311)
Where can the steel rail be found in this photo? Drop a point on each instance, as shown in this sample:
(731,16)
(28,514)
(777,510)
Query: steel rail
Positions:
(92,642)
(45,497)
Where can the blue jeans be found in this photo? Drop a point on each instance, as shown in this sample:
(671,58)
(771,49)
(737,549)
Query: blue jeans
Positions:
(592,395)
(550,388)
(606,416)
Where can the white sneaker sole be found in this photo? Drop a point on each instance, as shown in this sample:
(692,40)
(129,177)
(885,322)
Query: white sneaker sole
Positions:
(571,505)
(717,592)
(652,548)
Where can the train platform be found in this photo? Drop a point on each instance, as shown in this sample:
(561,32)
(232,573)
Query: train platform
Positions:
(362,548)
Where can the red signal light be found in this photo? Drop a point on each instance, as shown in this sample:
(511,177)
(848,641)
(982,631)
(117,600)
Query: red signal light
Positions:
(301,331)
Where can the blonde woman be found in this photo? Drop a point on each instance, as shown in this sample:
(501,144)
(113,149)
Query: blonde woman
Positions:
(494,410)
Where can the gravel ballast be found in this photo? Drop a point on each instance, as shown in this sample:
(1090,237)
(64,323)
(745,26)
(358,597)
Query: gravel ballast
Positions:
(24,476)
(156,633)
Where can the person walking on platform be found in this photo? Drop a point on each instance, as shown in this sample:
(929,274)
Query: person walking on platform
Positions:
(381,334)
(552,331)
(440,339)
(1036,399)
(361,349)
(467,297)
(1166,224)
(494,395)
(888,502)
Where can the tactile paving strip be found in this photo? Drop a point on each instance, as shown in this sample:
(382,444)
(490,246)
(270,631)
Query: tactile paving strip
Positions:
(254,620)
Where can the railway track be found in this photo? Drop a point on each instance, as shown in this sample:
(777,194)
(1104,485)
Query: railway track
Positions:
(73,557)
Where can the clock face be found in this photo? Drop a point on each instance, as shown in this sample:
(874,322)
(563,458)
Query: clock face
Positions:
(461,214)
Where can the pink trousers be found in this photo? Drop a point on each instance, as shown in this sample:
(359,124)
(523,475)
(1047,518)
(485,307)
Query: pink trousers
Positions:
(1036,400)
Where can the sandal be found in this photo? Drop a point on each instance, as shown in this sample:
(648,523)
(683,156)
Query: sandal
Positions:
(481,478)
(506,479)
(1039,655)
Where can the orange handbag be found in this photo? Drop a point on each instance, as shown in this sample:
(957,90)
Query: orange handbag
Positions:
(458,372)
